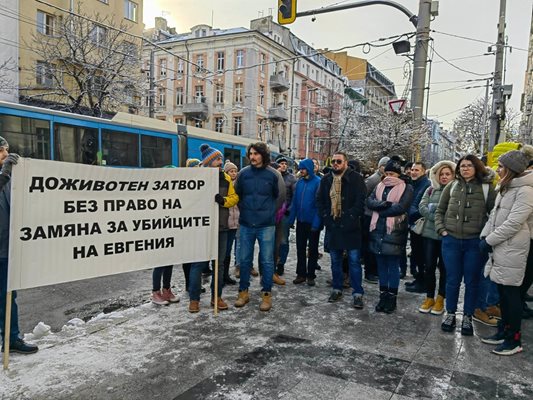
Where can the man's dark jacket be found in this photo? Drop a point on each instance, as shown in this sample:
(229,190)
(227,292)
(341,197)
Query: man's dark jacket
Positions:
(344,232)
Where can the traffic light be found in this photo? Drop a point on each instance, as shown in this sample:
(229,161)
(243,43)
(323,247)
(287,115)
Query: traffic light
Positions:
(286,11)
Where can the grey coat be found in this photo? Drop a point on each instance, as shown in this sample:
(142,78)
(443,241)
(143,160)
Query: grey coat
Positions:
(508,232)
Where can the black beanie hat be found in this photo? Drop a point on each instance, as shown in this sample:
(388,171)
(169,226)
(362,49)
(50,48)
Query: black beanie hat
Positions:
(394,166)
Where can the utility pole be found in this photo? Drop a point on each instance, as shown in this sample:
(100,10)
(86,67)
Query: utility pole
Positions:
(485,112)
(498,106)
(151,91)
(420,60)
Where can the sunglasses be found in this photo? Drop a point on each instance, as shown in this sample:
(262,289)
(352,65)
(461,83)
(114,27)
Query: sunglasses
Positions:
(337,161)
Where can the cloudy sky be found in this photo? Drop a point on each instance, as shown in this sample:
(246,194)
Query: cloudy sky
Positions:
(473,19)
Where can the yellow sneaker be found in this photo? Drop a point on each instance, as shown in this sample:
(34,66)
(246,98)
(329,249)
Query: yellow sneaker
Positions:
(426,305)
(438,308)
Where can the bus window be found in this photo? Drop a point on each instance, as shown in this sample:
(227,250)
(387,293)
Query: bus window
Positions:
(27,137)
(120,148)
(233,155)
(155,151)
(75,144)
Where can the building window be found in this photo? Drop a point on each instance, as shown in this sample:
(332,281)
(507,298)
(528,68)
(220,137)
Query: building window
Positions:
(296,90)
(199,94)
(44,73)
(130,10)
(178,120)
(219,124)
(240,59)
(220,61)
(131,50)
(219,93)
(199,123)
(260,129)
(46,23)
(98,34)
(162,97)
(179,96)
(163,67)
(262,62)
(180,67)
(199,63)
(237,126)
(261,95)
(238,92)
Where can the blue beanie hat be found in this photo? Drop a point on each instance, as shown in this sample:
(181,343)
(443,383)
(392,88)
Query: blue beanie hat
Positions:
(209,154)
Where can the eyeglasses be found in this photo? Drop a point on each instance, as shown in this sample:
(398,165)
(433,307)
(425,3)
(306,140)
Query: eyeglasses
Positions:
(337,161)
(466,166)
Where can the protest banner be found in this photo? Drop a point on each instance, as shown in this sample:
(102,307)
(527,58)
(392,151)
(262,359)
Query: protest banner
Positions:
(75,221)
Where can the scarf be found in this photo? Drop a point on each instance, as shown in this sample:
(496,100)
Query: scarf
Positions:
(393,196)
(335,196)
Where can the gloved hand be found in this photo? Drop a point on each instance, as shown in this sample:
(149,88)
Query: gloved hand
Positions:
(219,199)
(484,247)
(10,160)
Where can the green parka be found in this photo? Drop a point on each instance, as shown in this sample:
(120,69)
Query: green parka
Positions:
(462,209)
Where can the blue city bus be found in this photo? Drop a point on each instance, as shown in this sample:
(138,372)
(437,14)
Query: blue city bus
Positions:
(126,140)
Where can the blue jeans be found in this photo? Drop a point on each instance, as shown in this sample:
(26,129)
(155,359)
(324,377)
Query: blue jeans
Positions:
(356,272)
(462,259)
(488,291)
(266,238)
(232,235)
(284,243)
(195,276)
(14,333)
(389,271)
(166,273)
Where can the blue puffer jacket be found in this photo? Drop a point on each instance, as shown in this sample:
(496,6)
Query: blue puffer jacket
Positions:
(258,190)
(303,207)
(419,187)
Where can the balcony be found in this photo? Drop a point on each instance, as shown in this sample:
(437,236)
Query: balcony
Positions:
(196,110)
(278,113)
(278,83)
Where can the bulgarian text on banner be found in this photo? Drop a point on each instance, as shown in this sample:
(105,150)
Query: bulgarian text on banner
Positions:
(74,221)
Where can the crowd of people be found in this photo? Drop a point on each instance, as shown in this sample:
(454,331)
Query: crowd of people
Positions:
(454,222)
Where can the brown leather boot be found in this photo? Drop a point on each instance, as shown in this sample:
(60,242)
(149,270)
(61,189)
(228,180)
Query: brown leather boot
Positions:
(194,306)
(243,298)
(266,301)
(494,311)
(278,280)
(221,304)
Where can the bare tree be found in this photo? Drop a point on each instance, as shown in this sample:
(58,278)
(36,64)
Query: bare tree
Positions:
(85,63)
(380,133)
(7,85)
(469,128)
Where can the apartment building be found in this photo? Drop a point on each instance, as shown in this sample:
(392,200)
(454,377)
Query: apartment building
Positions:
(366,79)
(233,81)
(262,82)
(46,82)
(317,91)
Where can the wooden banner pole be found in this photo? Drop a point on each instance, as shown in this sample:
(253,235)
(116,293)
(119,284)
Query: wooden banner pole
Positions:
(7,330)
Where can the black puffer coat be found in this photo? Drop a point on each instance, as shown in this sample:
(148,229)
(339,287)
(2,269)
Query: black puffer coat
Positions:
(381,242)
(344,233)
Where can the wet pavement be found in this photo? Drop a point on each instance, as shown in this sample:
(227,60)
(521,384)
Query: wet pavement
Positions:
(304,348)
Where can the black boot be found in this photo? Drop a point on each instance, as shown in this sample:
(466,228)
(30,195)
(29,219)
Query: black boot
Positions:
(383,298)
(390,304)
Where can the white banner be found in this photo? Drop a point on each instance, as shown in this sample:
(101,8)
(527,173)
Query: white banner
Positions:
(74,221)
